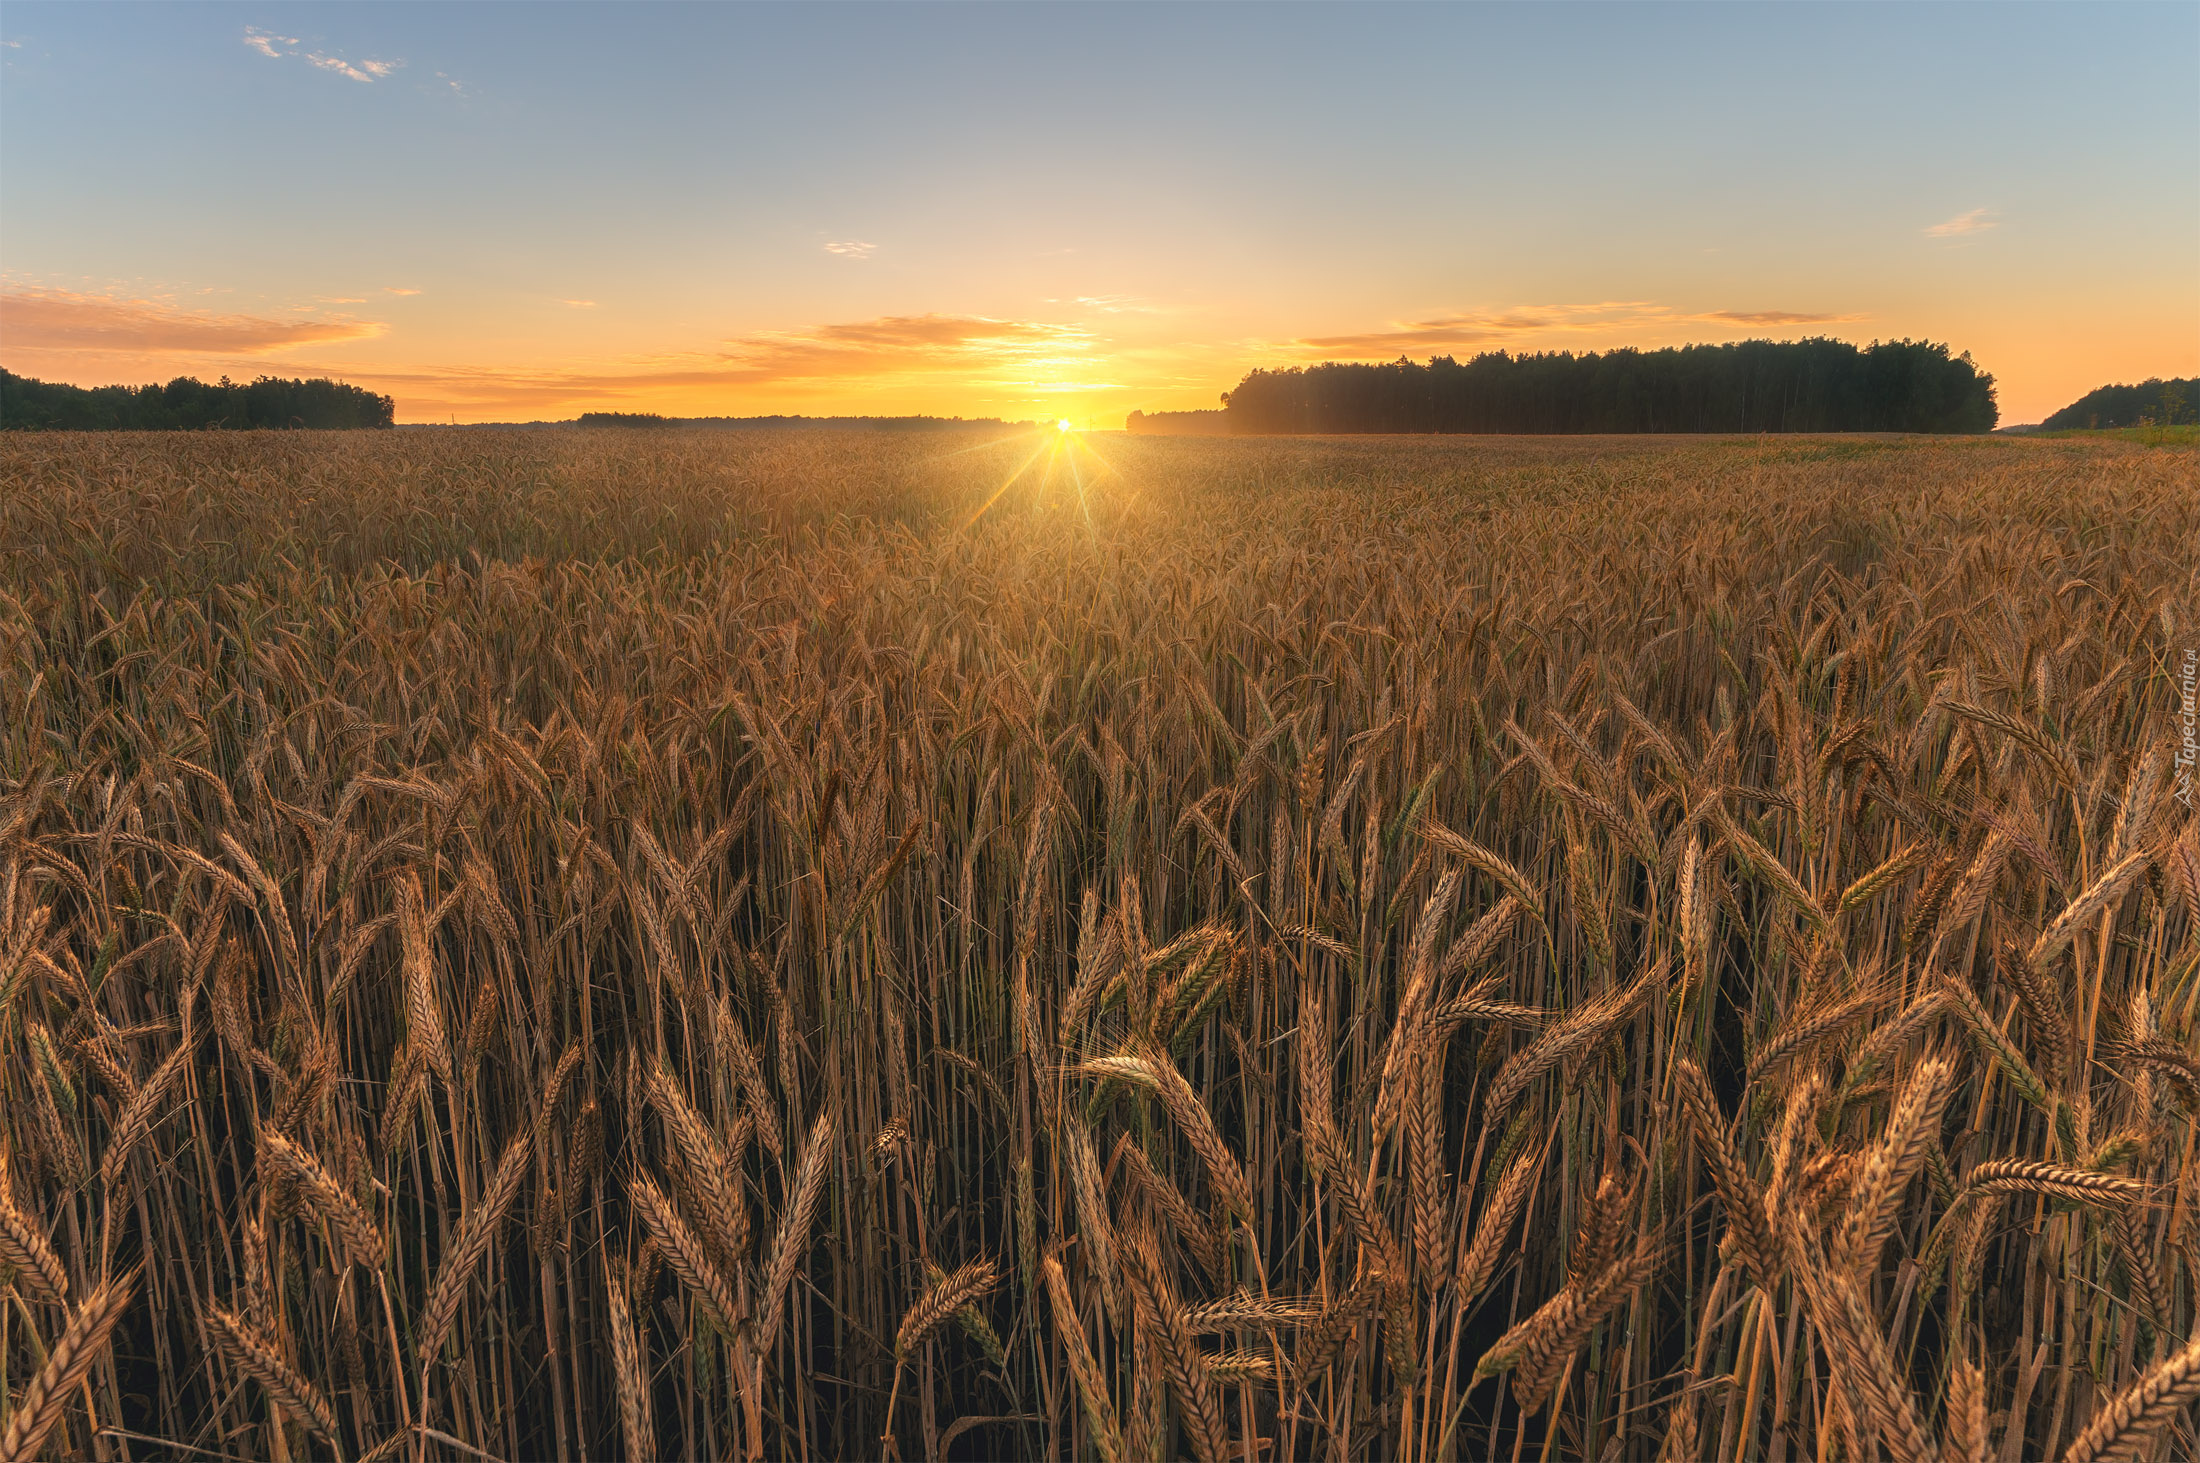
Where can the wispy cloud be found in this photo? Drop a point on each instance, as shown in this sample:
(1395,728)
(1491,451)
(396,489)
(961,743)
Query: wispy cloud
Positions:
(851,248)
(1116,304)
(1608,317)
(277,47)
(398,289)
(893,344)
(1977,221)
(579,304)
(46,319)
(967,350)
(364,71)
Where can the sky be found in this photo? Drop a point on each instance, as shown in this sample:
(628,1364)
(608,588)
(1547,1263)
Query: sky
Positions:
(511,212)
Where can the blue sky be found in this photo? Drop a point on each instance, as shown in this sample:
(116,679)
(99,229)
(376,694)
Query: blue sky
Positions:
(1019,210)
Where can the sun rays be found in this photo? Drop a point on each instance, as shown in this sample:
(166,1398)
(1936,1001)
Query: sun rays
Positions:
(1062,460)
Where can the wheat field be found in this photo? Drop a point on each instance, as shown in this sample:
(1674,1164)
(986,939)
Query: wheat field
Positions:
(831,945)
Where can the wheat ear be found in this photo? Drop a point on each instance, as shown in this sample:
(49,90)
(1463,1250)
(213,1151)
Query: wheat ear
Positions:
(1912,1129)
(424,1019)
(140,1113)
(46,1396)
(708,1171)
(1092,1389)
(2081,910)
(2024,1175)
(1161,1315)
(1158,1075)
(329,1198)
(1681,1433)
(949,1294)
(1249,1310)
(626,1372)
(2126,1425)
(1094,1227)
(254,1351)
(794,1227)
(689,1260)
(474,1238)
(1745,1205)
(1858,1349)
(23,1248)
(1966,1424)
(1572,1037)
(1480,1261)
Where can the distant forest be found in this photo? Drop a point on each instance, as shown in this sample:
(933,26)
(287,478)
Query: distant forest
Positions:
(188,404)
(1816,385)
(2151,403)
(1178,423)
(651,419)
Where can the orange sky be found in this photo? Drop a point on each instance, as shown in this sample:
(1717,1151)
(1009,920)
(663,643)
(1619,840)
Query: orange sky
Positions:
(502,214)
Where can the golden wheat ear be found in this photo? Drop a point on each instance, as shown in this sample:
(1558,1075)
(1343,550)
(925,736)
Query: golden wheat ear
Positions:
(258,1355)
(46,1396)
(2127,1425)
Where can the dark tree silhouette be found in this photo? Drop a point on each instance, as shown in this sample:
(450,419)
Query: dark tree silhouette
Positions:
(187,403)
(623,419)
(1816,385)
(2155,401)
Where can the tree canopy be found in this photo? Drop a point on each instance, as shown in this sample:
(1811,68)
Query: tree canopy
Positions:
(2153,402)
(188,403)
(1816,385)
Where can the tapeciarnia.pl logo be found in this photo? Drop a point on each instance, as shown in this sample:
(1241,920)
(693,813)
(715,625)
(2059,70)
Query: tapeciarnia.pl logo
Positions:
(2188,717)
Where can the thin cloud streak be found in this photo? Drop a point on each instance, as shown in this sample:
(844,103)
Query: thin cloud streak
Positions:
(277,48)
(1977,221)
(44,319)
(851,248)
(965,351)
(1483,327)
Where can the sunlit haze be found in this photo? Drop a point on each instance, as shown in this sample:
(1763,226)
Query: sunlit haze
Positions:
(508,212)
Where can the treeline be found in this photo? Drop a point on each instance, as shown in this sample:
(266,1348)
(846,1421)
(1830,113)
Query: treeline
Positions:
(1816,385)
(2152,403)
(1177,423)
(188,404)
(652,419)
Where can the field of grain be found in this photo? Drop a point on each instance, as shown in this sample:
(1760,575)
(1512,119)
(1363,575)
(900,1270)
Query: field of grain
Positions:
(834,945)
